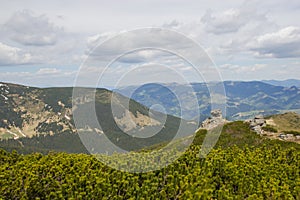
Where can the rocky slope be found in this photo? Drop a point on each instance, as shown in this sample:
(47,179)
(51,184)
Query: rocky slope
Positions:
(284,127)
(28,111)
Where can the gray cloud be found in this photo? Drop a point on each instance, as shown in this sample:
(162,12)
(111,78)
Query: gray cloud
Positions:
(284,43)
(137,46)
(231,20)
(28,29)
(244,34)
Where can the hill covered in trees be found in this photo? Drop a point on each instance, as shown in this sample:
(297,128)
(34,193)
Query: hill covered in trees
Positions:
(243,165)
(266,172)
(42,119)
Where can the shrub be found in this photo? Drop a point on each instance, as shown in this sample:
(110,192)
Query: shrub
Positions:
(270,129)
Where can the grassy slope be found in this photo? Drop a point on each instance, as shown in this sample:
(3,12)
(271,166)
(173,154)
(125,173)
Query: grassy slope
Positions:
(238,134)
(287,122)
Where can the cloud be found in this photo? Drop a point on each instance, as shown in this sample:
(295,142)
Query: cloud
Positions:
(172,25)
(243,69)
(231,20)
(48,71)
(284,43)
(33,30)
(145,45)
(260,71)
(41,39)
(13,56)
(226,22)
(45,77)
(94,40)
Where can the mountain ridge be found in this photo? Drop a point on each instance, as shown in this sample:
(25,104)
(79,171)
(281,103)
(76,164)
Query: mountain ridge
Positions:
(30,111)
(243,99)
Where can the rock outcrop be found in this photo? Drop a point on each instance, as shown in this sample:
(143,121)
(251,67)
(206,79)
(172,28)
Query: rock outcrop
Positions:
(215,120)
(257,123)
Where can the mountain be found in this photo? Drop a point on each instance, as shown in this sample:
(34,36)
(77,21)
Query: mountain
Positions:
(243,99)
(284,83)
(43,118)
(27,111)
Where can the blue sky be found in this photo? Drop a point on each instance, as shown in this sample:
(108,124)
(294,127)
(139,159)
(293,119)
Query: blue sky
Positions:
(44,43)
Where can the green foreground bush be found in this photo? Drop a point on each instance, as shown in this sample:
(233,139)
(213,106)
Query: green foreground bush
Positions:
(232,173)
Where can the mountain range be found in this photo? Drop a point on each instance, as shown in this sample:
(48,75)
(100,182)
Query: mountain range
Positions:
(42,119)
(243,99)
(284,83)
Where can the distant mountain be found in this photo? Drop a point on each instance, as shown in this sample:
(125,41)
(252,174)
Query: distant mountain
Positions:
(244,99)
(47,117)
(284,83)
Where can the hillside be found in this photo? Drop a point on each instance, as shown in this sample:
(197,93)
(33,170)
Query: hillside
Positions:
(235,133)
(244,99)
(262,173)
(46,116)
(289,121)
(239,134)
(284,127)
(242,165)
(27,111)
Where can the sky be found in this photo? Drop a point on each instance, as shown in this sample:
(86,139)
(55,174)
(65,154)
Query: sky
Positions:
(55,43)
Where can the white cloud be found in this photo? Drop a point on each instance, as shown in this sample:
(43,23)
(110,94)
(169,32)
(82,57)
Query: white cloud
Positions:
(94,40)
(231,20)
(134,46)
(48,71)
(234,68)
(45,77)
(41,39)
(28,29)
(232,32)
(13,56)
(284,43)
(226,22)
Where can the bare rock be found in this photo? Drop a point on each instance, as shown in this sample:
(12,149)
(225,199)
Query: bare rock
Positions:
(216,113)
(215,120)
(257,123)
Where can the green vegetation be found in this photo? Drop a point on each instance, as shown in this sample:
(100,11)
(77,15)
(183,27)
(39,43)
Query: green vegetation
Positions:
(243,165)
(233,134)
(62,142)
(232,173)
(270,128)
(292,132)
